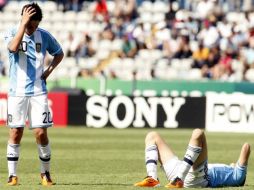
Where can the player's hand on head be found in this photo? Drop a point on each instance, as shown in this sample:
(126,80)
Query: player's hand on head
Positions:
(27,14)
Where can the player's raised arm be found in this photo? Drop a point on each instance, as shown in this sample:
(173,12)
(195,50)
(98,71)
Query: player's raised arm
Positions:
(27,13)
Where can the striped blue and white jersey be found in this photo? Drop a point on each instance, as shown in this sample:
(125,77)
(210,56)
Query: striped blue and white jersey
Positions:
(26,65)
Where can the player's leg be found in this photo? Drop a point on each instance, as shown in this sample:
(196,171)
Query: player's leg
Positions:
(44,152)
(240,169)
(164,152)
(244,155)
(198,141)
(196,154)
(155,150)
(40,120)
(17,112)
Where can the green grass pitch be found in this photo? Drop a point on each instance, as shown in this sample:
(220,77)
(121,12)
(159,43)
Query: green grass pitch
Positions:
(107,158)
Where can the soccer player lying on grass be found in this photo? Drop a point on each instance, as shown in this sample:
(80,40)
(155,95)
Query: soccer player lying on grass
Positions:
(193,170)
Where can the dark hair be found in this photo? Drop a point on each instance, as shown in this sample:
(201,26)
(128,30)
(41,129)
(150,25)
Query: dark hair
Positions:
(38,15)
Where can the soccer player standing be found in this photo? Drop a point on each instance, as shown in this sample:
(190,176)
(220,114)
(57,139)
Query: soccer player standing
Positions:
(27,98)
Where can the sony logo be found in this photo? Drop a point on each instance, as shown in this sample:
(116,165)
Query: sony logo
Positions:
(138,111)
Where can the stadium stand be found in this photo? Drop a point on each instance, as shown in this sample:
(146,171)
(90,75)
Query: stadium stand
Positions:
(189,39)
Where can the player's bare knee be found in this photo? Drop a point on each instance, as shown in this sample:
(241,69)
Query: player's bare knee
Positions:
(197,133)
(151,137)
(15,136)
(41,135)
(246,148)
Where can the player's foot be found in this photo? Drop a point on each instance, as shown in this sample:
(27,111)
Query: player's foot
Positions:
(148,182)
(46,179)
(12,181)
(176,183)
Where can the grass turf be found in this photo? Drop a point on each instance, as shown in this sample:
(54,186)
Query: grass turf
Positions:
(107,158)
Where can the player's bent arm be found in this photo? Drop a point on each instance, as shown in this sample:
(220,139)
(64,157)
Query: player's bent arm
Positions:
(56,60)
(13,46)
(27,13)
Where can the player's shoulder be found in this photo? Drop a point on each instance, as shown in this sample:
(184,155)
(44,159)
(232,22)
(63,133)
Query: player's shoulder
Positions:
(11,31)
(44,33)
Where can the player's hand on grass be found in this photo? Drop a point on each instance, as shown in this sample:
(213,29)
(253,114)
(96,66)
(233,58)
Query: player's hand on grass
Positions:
(27,14)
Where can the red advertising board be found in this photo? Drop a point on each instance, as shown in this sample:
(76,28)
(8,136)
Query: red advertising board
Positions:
(58,103)
(3,108)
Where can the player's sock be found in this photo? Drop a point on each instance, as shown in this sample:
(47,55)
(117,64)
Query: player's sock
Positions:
(44,154)
(190,157)
(151,158)
(12,158)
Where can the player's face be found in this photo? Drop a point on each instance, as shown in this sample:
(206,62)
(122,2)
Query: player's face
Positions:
(32,26)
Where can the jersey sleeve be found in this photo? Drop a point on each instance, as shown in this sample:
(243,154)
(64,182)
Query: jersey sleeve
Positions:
(54,47)
(8,36)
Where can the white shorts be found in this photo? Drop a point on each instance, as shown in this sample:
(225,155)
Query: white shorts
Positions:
(33,108)
(194,178)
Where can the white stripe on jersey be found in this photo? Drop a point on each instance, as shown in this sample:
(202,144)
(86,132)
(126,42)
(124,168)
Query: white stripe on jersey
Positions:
(39,63)
(21,74)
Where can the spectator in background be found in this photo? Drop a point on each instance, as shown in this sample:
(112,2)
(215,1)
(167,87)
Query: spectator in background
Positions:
(101,11)
(129,48)
(140,34)
(170,16)
(212,59)
(200,56)
(70,45)
(223,70)
(70,5)
(118,27)
(107,33)
(209,34)
(204,8)
(248,53)
(2,4)
(126,9)
(62,5)
(184,50)
(85,48)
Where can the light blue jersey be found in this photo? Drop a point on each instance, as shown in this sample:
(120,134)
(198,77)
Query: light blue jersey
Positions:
(221,175)
(26,65)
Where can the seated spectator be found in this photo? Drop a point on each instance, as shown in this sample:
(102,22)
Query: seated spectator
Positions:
(69,5)
(204,8)
(184,50)
(209,34)
(170,16)
(223,70)
(209,64)
(171,46)
(126,9)
(2,4)
(85,48)
(129,48)
(101,11)
(200,56)
(213,57)
(70,45)
(107,33)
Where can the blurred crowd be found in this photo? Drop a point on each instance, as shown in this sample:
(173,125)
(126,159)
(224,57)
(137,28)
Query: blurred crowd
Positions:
(216,35)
